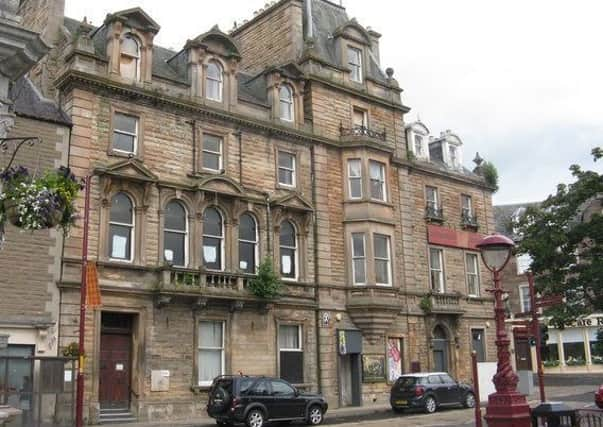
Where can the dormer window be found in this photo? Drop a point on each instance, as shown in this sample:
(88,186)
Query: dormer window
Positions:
(286,103)
(419,146)
(214,81)
(129,62)
(452,156)
(355,64)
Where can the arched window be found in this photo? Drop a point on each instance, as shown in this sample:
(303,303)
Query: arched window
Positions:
(213,81)
(248,243)
(175,234)
(213,239)
(286,103)
(121,228)
(288,250)
(129,61)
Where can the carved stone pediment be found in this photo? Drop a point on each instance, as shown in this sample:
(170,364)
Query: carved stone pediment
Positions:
(354,31)
(215,40)
(134,18)
(130,169)
(221,184)
(294,201)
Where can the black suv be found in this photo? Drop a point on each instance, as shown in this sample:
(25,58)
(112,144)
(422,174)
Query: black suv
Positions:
(428,391)
(256,400)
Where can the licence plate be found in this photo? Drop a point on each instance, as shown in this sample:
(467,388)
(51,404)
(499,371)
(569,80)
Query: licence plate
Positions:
(400,402)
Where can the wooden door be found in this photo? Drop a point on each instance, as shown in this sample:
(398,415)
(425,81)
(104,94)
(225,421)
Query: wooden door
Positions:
(114,381)
(523,356)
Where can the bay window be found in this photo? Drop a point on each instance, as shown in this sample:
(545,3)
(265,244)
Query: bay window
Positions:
(382,252)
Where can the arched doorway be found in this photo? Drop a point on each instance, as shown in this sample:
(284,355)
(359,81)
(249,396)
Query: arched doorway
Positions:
(440,349)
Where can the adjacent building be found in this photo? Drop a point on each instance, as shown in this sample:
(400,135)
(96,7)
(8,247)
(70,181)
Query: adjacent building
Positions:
(282,139)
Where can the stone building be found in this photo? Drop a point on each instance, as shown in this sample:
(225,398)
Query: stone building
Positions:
(281,139)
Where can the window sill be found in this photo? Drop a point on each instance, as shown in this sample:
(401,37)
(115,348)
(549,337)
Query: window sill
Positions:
(367,200)
(280,186)
(123,154)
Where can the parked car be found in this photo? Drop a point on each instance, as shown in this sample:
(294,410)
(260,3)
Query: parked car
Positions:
(599,397)
(256,400)
(428,391)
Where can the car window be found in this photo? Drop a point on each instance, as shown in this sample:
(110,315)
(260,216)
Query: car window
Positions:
(280,388)
(434,379)
(405,382)
(225,384)
(260,388)
(447,379)
(244,385)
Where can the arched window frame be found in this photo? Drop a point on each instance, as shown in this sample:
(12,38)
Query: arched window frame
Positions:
(221,239)
(137,58)
(255,242)
(131,226)
(294,248)
(184,232)
(218,81)
(286,104)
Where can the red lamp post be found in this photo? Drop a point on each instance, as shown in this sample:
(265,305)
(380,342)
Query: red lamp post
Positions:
(506,407)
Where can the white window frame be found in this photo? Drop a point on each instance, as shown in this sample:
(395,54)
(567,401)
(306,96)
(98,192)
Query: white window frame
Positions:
(524,301)
(123,132)
(467,210)
(388,259)
(381,179)
(357,110)
(351,177)
(353,66)
(441,274)
(292,170)
(289,102)
(299,337)
(358,257)
(130,226)
(219,81)
(475,258)
(220,153)
(137,57)
(254,242)
(222,239)
(454,160)
(418,143)
(295,253)
(435,203)
(185,232)
(199,348)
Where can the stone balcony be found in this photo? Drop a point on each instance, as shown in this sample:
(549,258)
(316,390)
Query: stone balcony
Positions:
(446,303)
(361,134)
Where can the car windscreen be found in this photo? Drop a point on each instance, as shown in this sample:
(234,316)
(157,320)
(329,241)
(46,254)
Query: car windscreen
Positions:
(407,382)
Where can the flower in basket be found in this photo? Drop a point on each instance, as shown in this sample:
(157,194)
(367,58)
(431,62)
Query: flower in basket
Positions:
(37,203)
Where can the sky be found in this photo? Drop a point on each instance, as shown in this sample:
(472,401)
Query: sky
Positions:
(521,82)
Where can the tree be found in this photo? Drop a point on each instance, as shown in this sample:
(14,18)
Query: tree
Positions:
(566,251)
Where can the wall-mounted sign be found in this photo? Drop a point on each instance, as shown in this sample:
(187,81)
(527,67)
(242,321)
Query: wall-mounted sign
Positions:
(325,319)
(349,342)
(444,236)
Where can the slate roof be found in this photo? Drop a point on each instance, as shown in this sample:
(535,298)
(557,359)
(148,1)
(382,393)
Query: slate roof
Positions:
(28,102)
(504,213)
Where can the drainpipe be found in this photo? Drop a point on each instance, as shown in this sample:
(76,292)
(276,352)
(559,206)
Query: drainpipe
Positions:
(193,124)
(239,136)
(316,274)
(268,224)
(309,30)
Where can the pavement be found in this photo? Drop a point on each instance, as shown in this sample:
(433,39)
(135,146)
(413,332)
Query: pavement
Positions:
(576,392)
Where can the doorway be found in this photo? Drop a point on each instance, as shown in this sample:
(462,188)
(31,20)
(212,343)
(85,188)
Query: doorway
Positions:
(440,350)
(349,379)
(523,354)
(115,360)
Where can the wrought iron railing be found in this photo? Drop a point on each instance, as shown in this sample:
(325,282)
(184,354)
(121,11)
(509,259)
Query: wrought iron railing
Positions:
(362,131)
(434,212)
(590,417)
(468,220)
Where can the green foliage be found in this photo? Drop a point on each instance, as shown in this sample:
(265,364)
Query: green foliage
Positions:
(266,284)
(550,363)
(566,250)
(425,304)
(72,350)
(490,175)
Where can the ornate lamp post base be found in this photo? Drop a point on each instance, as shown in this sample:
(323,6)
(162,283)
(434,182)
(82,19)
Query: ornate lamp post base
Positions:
(508,409)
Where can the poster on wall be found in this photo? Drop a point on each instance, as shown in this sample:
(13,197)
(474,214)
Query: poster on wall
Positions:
(373,367)
(394,359)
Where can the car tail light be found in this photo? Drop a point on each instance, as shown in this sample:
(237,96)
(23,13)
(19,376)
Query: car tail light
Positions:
(419,391)
(234,403)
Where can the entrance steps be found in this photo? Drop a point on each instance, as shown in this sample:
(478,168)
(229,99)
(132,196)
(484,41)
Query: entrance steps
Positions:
(116,415)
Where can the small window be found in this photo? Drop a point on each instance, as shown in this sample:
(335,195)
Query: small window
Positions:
(452,156)
(377,175)
(431,194)
(418,145)
(291,356)
(436,270)
(478,344)
(358,259)
(524,298)
(121,228)
(286,109)
(472,266)
(214,81)
(248,244)
(355,178)
(355,64)
(175,234)
(210,351)
(381,247)
(125,133)
(467,208)
(213,239)
(212,152)
(288,250)
(129,61)
(286,169)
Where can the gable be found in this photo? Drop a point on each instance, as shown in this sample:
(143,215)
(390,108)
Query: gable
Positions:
(221,185)
(135,18)
(131,168)
(295,202)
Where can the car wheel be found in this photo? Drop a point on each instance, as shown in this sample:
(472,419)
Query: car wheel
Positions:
(315,415)
(255,418)
(469,400)
(430,405)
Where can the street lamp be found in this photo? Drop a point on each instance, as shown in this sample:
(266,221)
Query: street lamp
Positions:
(506,407)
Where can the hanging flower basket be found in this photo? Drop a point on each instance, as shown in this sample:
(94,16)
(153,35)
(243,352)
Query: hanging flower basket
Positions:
(38,203)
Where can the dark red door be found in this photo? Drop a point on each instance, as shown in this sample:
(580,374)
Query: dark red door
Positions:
(115,371)
(523,355)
